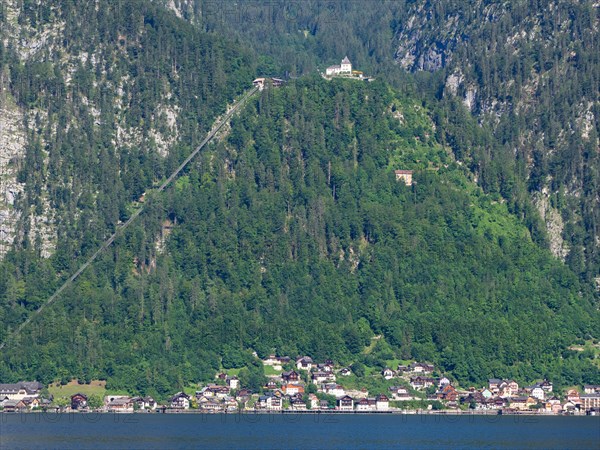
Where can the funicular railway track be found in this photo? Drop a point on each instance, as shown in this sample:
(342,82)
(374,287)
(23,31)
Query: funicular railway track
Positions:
(121,228)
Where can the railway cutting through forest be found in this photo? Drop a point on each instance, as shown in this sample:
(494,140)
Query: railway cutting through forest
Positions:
(220,122)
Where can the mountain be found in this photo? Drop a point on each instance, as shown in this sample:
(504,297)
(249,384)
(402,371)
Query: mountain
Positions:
(289,233)
(526,70)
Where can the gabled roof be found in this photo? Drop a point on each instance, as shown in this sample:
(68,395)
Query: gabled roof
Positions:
(345,60)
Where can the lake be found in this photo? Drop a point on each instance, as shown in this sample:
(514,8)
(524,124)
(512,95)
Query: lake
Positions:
(305,431)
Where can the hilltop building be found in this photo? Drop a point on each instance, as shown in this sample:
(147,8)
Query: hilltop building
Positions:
(345,67)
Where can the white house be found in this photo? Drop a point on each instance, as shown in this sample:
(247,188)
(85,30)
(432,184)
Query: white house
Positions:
(20,390)
(345,403)
(304,363)
(180,401)
(334,389)
(388,373)
(538,392)
(233,382)
(382,403)
(345,67)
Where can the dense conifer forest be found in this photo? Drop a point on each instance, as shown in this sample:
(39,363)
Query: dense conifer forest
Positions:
(289,233)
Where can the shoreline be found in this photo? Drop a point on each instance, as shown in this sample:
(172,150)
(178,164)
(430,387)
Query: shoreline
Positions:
(316,413)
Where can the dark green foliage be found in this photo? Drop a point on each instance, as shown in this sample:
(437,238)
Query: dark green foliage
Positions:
(300,240)
(291,235)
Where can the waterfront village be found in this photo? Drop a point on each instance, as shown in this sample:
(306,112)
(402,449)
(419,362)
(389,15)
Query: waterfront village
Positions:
(302,385)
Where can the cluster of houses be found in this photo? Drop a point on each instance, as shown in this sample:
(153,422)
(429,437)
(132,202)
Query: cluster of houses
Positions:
(24,395)
(291,390)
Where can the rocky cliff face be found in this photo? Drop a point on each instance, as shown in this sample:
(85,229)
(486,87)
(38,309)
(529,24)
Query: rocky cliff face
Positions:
(28,42)
(528,69)
(12,150)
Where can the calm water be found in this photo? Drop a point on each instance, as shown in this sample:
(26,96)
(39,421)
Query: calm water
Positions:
(170,431)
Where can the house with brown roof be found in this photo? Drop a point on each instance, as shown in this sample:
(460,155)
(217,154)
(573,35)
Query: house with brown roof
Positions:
(180,401)
(345,403)
(292,389)
(304,363)
(292,375)
(78,401)
(420,383)
(382,402)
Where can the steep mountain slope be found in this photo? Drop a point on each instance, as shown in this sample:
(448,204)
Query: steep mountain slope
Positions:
(527,70)
(531,70)
(293,234)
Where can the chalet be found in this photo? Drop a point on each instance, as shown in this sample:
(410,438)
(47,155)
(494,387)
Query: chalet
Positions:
(210,406)
(497,402)
(345,372)
(494,384)
(292,389)
(322,377)
(404,175)
(545,385)
(20,390)
(589,401)
(144,403)
(180,401)
(32,402)
(221,376)
(243,396)
(388,373)
(402,369)
(475,401)
(553,405)
(345,403)
(78,401)
(304,363)
(423,368)
(448,393)
(298,404)
(327,367)
(508,388)
(420,383)
(345,67)
(382,402)
(13,405)
(292,375)
(215,390)
(269,402)
(591,388)
(400,393)
(366,404)
(284,359)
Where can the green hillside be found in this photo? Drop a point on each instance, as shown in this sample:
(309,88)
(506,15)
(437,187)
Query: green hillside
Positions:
(293,235)
(288,234)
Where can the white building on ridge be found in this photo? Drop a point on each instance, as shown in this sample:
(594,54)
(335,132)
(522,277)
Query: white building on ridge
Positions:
(344,68)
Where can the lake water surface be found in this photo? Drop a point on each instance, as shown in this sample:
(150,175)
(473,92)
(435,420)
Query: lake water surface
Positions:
(306,431)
